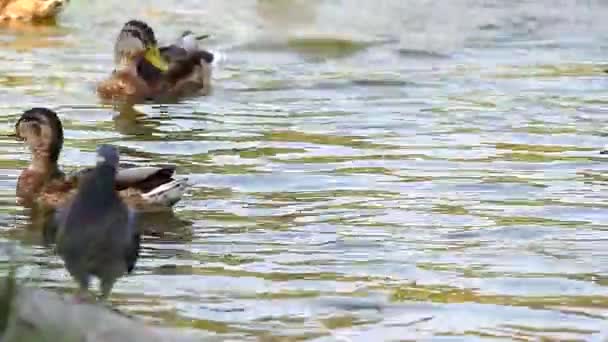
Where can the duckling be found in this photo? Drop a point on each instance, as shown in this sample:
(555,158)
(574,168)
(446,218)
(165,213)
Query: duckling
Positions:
(43,183)
(30,10)
(144,71)
(96,234)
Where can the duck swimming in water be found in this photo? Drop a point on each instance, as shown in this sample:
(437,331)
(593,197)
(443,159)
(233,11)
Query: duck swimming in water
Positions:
(43,183)
(143,71)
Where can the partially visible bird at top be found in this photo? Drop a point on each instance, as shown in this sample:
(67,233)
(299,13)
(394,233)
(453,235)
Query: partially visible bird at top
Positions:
(144,189)
(145,71)
(96,232)
(30,10)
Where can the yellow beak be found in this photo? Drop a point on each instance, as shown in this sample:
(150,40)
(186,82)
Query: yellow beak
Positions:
(153,56)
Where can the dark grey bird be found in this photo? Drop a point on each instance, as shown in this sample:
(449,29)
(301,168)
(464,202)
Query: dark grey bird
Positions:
(96,231)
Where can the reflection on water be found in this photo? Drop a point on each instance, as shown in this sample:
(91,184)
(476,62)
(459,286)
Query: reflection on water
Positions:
(130,121)
(365,170)
(286,15)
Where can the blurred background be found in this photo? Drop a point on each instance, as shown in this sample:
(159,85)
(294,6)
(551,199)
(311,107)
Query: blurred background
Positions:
(371,170)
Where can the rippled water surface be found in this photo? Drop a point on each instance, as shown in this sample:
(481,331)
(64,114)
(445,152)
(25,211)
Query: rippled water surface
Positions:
(371,170)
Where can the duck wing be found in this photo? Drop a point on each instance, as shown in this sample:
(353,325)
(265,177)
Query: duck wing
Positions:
(146,188)
(184,56)
(144,179)
(173,52)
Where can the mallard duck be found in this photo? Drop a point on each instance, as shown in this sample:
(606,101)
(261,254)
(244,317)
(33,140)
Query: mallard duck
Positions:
(43,183)
(143,71)
(30,10)
(96,232)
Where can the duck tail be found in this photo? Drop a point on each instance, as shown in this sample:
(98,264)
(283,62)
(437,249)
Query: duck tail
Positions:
(167,194)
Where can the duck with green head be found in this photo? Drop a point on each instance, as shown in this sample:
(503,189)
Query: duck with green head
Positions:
(144,71)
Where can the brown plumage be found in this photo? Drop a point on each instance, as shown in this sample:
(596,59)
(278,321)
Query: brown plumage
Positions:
(30,10)
(146,72)
(43,183)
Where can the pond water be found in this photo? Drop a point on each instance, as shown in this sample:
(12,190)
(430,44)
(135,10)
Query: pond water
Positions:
(363,170)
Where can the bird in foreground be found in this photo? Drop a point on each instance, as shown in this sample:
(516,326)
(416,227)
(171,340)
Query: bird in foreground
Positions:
(143,189)
(96,232)
(30,10)
(143,71)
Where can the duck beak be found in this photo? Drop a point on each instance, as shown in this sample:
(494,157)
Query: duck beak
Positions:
(153,56)
(23,123)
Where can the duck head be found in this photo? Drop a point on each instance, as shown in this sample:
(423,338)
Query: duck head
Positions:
(136,41)
(42,131)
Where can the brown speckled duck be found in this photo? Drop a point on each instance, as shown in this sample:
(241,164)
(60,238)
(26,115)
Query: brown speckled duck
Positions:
(30,10)
(143,71)
(43,183)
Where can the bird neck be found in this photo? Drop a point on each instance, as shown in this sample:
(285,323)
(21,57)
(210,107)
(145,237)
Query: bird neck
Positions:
(44,162)
(45,153)
(98,187)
